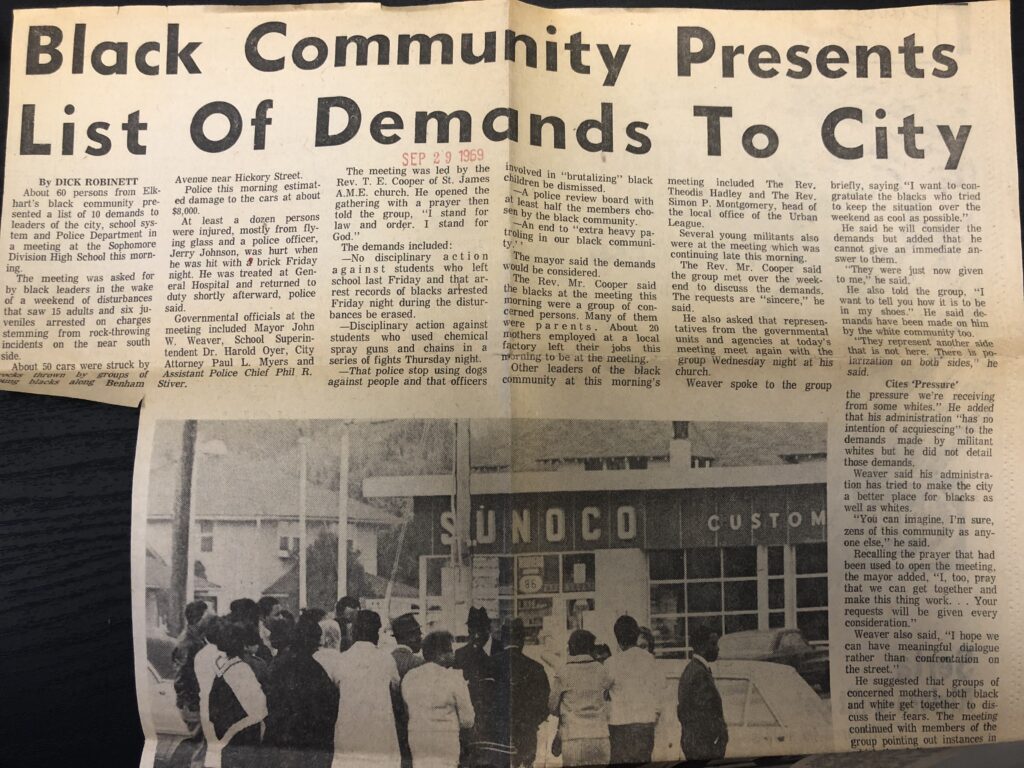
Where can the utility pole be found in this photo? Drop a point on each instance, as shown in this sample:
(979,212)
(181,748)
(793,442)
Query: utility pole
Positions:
(343,461)
(456,582)
(463,502)
(303,451)
(394,570)
(180,528)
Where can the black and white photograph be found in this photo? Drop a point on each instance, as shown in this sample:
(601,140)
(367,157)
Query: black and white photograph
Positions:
(519,592)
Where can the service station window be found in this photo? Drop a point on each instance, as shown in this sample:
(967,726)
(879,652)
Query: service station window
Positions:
(776,588)
(578,573)
(716,587)
(812,592)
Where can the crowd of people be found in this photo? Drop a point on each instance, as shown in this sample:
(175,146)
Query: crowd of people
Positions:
(261,688)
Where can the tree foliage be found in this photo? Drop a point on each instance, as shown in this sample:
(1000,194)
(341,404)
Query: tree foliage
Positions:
(322,572)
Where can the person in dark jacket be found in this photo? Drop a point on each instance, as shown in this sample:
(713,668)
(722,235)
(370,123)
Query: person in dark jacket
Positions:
(255,652)
(472,660)
(186,684)
(345,611)
(246,613)
(280,637)
(302,705)
(704,732)
(409,639)
(521,696)
(186,687)
(270,609)
(237,705)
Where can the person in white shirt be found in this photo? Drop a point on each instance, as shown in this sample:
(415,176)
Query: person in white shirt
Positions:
(635,697)
(437,699)
(330,640)
(367,679)
(579,699)
(236,705)
(206,664)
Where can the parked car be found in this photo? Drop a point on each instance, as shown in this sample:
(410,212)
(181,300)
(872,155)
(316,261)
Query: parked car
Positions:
(158,688)
(781,646)
(769,709)
(163,704)
(159,652)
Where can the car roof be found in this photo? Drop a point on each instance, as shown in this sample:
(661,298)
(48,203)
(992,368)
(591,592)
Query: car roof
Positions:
(779,684)
(763,672)
(766,671)
(751,642)
(159,653)
(758,632)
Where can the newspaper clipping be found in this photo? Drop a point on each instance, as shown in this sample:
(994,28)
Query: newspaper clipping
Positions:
(530,387)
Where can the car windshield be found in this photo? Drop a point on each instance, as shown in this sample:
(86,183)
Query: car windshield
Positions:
(743,704)
(743,644)
(158,651)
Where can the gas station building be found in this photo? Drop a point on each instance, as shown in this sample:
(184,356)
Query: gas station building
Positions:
(572,524)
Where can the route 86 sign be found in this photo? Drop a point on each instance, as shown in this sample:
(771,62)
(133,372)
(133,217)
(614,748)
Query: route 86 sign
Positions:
(530,584)
(531,575)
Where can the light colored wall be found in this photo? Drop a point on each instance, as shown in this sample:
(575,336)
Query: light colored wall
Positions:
(158,538)
(621,589)
(245,560)
(364,539)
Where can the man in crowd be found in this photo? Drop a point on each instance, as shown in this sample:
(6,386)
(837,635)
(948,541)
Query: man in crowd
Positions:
(186,686)
(345,613)
(189,644)
(280,637)
(473,660)
(635,697)
(302,702)
(409,637)
(246,614)
(704,732)
(270,609)
(367,680)
(522,691)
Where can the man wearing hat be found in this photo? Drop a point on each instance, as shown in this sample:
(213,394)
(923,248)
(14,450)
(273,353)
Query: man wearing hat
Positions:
(522,691)
(409,637)
(472,659)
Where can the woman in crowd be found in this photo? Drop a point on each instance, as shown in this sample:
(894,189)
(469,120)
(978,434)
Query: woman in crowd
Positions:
(237,706)
(579,698)
(302,703)
(437,698)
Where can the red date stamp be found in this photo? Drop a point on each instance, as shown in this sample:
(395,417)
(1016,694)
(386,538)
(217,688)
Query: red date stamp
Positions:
(442,157)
